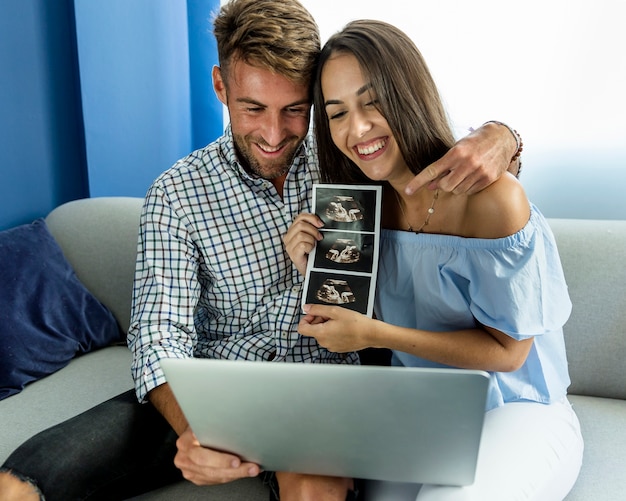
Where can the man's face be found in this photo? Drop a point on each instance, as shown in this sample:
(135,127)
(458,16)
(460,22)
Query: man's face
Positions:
(269,117)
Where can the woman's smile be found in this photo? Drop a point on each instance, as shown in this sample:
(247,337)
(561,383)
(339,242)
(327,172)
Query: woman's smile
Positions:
(371,149)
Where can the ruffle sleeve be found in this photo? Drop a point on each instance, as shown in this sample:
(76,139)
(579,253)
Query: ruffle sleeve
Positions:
(518,287)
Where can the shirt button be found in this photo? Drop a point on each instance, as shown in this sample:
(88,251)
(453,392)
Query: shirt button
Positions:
(296,288)
(284,334)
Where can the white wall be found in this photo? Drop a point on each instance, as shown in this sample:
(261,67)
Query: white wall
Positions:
(553,69)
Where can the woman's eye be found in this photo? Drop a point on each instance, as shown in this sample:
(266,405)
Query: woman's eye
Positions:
(336,115)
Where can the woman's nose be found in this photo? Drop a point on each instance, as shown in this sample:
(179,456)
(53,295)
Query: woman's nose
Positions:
(360,124)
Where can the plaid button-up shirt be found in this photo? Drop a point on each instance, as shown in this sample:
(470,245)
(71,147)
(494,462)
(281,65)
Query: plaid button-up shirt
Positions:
(213,279)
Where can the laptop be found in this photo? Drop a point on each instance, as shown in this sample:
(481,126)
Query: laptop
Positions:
(396,424)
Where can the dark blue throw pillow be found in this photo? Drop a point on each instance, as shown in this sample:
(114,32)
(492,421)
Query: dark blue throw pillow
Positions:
(47,316)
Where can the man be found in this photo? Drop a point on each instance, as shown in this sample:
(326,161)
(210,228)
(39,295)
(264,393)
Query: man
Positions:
(213,279)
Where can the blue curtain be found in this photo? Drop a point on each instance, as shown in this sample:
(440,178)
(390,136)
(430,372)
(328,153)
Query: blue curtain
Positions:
(97,97)
(42,158)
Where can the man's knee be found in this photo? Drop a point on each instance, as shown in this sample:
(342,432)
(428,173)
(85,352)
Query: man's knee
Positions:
(17,487)
(300,487)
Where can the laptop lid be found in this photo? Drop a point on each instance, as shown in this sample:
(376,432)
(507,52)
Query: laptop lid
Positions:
(384,423)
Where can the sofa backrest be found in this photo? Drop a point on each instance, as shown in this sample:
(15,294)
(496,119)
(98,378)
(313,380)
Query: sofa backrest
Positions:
(99,238)
(593,254)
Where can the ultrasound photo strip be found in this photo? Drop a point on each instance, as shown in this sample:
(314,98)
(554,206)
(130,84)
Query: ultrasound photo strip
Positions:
(342,268)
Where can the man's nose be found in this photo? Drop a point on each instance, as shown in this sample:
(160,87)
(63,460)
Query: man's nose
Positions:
(274,129)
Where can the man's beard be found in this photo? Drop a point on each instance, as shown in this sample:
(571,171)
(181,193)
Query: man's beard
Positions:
(267,170)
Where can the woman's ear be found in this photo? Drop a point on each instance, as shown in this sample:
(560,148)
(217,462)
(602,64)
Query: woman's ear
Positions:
(218,84)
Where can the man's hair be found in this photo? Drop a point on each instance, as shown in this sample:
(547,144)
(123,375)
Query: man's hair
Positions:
(277,35)
(407,97)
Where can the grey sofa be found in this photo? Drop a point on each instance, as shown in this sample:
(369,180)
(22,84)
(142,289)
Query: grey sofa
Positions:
(98,236)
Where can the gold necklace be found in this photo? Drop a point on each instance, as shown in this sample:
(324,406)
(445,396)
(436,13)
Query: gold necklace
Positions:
(430,212)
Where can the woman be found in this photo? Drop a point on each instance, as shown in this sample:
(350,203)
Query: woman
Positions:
(466,281)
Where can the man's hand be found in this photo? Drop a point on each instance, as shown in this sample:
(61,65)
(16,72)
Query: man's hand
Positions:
(472,164)
(204,466)
(200,465)
(301,239)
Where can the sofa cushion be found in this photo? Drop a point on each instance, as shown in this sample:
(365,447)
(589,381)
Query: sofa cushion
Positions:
(85,382)
(595,334)
(603,425)
(47,316)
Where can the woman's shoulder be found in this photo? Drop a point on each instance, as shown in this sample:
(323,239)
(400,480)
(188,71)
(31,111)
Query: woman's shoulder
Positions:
(500,210)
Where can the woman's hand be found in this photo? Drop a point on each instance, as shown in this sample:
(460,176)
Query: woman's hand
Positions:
(301,239)
(337,329)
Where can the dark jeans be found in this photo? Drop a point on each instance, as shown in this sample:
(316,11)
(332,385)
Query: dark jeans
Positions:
(116,450)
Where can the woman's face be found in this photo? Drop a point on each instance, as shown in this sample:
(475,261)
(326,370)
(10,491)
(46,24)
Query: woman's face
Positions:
(357,128)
